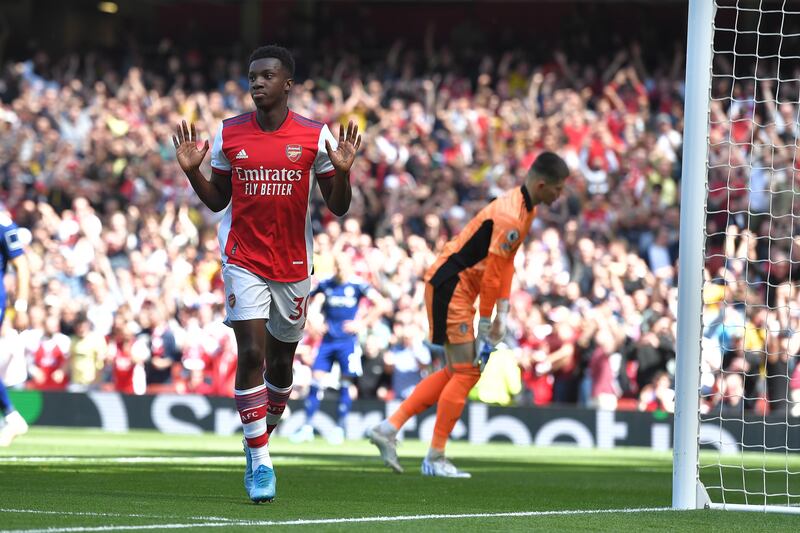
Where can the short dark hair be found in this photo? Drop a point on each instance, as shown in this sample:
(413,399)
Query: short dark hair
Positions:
(550,167)
(278,52)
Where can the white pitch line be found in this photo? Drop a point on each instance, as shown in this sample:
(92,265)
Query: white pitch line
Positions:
(116,515)
(324,521)
(144,459)
(113,459)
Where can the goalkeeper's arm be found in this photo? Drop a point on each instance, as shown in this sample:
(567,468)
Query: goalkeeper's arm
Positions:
(495,290)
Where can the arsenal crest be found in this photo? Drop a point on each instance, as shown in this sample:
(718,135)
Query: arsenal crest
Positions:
(293,152)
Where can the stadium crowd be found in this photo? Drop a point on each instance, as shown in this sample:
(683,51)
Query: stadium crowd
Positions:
(127,293)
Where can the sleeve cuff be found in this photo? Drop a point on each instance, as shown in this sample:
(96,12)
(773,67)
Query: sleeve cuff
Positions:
(222,171)
(326,175)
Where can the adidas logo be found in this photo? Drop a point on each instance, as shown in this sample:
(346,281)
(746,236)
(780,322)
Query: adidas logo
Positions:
(241,155)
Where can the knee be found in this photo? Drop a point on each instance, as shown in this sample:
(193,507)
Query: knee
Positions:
(280,363)
(467,374)
(251,356)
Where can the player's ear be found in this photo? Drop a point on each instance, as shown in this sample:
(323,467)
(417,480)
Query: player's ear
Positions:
(289,83)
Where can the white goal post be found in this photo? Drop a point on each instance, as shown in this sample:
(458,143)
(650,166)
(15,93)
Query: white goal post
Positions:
(737,411)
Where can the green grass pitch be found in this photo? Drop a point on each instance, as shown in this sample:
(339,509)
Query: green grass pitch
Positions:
(86,480)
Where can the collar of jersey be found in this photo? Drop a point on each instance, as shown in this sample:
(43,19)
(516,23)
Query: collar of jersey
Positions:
(527,196)
(283,125)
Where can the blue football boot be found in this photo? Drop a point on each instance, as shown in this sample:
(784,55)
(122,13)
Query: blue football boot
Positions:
(263,489)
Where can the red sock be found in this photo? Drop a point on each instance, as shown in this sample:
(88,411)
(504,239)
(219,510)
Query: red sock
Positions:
(276,404)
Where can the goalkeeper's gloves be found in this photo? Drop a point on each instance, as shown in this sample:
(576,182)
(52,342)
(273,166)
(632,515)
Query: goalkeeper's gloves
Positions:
(490,333)
(482,346)
(483,350)
(498,330)
(484,325)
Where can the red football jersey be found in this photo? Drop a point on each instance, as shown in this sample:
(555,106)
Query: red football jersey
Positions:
(123,366)
(51,355)
(267,226)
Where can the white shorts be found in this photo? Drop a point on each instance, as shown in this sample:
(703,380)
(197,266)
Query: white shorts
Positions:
(249,296)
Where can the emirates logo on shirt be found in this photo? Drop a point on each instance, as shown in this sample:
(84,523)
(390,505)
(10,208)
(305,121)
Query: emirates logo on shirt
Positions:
(268,181)
(293,152)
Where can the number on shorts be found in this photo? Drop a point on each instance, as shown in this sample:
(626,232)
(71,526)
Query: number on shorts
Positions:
(300,307)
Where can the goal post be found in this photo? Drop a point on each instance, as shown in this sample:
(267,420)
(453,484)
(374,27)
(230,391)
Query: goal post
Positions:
(691,258)
(737,374)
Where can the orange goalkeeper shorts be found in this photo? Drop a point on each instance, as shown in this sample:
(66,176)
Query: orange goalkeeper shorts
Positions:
(451,313)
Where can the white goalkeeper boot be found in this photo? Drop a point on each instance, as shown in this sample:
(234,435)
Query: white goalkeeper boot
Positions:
(438,465)
(386,441)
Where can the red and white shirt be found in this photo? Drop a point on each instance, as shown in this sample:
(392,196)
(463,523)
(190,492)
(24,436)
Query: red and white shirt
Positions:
(50,355)
(267,226)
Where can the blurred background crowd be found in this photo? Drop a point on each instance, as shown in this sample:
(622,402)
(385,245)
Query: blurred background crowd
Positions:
(126,286)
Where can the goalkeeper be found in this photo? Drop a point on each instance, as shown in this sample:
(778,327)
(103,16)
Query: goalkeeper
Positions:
(477,262)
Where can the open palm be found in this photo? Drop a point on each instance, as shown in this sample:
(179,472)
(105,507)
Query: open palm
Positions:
(345,154)
(189,157)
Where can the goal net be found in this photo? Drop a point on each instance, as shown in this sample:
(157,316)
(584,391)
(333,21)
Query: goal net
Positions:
(737,423)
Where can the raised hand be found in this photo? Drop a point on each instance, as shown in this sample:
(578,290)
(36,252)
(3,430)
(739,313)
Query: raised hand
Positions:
(189,157)
(345,154)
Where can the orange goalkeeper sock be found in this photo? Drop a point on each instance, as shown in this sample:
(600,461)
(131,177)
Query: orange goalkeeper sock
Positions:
(452,401)
(425,394)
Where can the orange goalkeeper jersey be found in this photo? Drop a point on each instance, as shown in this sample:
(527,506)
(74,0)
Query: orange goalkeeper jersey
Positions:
(482,255)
